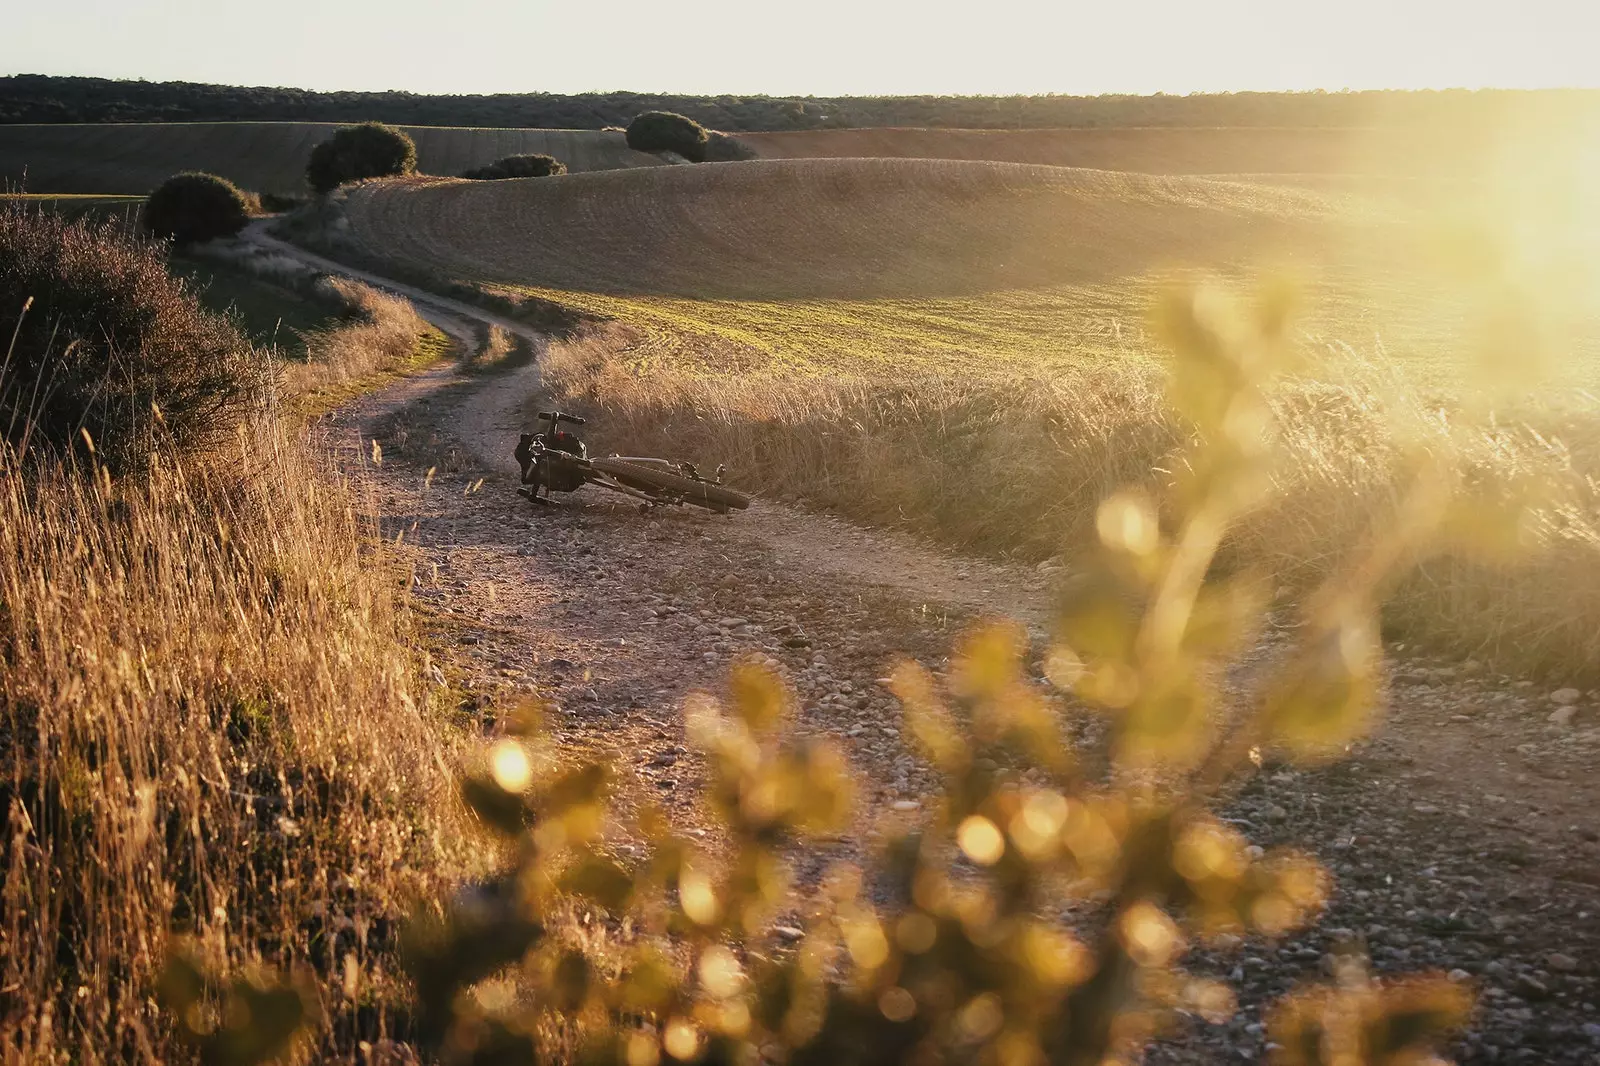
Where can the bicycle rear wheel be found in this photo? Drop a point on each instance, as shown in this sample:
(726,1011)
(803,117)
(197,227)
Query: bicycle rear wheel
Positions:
(655,480)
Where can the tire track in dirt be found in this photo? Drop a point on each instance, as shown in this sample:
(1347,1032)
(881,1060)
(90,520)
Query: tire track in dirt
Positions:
(1464,838)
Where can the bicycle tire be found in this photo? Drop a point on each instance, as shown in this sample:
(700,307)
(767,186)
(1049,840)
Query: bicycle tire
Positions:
(699,493)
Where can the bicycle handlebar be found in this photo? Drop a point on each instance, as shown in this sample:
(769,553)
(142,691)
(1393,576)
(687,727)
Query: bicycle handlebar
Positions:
(557,416)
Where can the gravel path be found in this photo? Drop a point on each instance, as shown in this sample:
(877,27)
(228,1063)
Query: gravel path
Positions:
(1464,838)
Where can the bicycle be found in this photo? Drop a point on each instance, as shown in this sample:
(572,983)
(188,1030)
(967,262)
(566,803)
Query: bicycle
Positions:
(554,460)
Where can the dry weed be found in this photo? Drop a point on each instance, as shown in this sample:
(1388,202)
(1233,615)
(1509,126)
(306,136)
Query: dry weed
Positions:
(1020,467)
(384,332)
(209,723)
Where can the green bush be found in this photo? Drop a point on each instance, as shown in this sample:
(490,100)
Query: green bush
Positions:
(354,153)
(518,166)
(109,344)
(664,131)
(194,206)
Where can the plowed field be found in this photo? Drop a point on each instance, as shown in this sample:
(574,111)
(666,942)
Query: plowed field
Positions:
(1163,150)
(262,156)
(1150,151)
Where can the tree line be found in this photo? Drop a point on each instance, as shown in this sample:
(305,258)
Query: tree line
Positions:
(37,98)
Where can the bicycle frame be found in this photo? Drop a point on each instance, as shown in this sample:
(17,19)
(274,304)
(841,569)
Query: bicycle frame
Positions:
(565,469)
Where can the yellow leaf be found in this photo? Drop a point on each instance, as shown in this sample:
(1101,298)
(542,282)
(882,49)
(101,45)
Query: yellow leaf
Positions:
(1326,698)
(760,698)
(989,660)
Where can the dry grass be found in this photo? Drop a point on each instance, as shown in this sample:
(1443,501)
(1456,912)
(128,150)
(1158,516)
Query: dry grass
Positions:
(1021,464)
(209,722)
(384,337)
(499,349)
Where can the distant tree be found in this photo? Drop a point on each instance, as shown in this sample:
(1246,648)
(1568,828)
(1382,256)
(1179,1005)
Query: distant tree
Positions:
(370,150)
(193,206)
(518,166)
(666,131)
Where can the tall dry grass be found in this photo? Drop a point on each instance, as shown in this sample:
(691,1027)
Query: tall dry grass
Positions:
(211,723)
(1021,470)
(382,334)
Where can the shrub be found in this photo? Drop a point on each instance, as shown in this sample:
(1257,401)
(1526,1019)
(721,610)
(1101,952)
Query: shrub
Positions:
(193,206)
(664,131)
(370,150)
(109,344)
(518,166)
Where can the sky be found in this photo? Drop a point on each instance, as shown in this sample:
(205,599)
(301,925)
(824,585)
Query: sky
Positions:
(814,47)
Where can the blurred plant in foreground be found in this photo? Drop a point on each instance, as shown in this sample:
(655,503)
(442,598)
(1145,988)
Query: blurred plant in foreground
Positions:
(1043,914)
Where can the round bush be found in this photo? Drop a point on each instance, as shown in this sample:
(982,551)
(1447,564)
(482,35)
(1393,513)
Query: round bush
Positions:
(109,338)
(193,207)
(518,166)
(664,131)
(354,153)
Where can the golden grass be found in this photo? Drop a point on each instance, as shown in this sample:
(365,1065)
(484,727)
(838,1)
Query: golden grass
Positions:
(214,721)
(210,722)
(1019,464)
(386,338)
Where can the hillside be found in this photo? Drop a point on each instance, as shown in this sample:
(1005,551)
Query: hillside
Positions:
(821,228)
(261,156)
(852,268)
(860,266)
(1301,150)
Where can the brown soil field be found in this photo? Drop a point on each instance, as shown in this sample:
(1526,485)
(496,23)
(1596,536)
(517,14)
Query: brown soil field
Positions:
(1160,150)
(823,228)
(262,156)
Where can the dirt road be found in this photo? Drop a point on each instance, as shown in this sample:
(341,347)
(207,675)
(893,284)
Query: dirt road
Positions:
(1464,838)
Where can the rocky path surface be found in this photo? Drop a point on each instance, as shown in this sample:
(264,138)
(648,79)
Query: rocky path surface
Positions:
(1464,838)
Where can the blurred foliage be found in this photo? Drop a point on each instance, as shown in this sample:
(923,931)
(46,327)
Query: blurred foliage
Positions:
(1043,913)
(238,1022)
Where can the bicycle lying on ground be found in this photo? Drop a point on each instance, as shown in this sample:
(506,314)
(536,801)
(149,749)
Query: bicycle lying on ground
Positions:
(555,460)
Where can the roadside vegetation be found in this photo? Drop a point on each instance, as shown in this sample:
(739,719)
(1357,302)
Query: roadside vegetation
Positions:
(1044,910)
(106,358)
(212,719)
(193,207)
